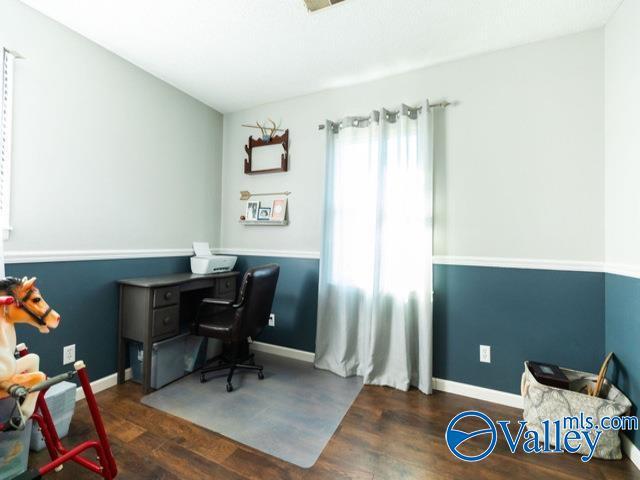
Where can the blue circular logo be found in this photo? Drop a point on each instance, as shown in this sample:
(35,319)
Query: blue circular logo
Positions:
(455,438)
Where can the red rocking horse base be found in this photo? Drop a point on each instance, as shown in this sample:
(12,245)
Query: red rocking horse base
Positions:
(105,465)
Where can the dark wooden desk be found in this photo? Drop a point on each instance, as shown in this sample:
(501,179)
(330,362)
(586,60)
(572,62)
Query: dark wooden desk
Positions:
(155,308)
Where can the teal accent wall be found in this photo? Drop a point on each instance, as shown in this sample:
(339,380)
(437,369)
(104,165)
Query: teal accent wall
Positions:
(524,314)
(295,304)
(545,315)
(85,294)
(622,320)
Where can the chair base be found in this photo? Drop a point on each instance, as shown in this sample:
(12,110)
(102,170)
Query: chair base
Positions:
(234,357)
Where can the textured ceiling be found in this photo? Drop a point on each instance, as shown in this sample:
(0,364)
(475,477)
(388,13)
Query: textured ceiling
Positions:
(234,54)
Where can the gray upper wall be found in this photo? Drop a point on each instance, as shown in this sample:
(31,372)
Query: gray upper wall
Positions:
(622,139)
(518,159)
(105,156)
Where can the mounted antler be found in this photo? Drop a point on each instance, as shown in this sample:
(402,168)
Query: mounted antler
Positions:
(263,130)
(274,129)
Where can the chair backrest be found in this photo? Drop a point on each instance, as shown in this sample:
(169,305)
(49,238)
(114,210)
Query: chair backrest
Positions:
(256,294)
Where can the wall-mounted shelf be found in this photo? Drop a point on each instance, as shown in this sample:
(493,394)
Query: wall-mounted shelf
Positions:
(271,223)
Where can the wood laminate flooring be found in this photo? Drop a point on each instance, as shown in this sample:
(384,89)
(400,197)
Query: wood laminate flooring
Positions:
(386,434)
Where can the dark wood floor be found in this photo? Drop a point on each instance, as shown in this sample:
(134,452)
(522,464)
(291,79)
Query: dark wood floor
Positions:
(387,434)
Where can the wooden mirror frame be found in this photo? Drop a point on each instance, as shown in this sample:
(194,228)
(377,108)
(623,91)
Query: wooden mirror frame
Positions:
(275,140)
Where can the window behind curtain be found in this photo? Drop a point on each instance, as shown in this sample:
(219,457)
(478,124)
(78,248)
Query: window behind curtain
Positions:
(6,90)
(381,219)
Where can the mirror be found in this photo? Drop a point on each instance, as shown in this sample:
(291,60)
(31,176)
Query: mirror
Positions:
(267,156)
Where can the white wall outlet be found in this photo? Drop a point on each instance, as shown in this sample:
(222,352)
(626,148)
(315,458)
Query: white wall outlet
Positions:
(485,353)
(272,320)
(69,354)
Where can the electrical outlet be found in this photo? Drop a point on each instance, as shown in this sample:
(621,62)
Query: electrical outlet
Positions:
(485,353)
(69,354)
(272,320)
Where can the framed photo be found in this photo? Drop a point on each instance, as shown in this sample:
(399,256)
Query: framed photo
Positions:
(279,209)
(252,210)
(264,213)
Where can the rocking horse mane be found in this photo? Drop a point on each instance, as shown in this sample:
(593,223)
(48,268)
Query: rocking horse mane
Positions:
(8,284)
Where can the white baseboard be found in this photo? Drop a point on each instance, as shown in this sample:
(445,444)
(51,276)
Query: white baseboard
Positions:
(630,450)
(284,351)
(479,393)
(103,383)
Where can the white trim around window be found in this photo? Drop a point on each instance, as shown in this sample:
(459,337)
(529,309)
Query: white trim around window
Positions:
(6,123)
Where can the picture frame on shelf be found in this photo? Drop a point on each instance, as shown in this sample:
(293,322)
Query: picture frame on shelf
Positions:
(264,213)
(279,210)
(252,210)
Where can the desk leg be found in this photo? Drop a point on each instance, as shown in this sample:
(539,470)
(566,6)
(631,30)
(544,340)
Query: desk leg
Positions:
(146,367)
(121,342)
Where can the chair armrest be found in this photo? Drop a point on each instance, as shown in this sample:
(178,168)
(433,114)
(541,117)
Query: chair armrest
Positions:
(218,301)
(224,303)
(213,302)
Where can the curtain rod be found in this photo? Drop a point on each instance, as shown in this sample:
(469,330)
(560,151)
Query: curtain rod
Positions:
(442,104)
(15,54)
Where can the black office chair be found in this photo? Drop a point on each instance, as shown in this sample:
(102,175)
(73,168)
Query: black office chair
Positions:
(237,323)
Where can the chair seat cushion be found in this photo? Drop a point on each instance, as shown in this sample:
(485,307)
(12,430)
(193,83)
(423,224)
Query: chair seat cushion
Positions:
(218,326)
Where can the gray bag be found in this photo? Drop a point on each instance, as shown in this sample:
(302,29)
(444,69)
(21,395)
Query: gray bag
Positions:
(542,402)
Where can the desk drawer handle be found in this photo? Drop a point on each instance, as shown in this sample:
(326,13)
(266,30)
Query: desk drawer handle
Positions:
(168,295)
(166,321)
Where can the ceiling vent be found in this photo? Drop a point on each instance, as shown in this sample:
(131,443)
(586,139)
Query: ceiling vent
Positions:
(314,5)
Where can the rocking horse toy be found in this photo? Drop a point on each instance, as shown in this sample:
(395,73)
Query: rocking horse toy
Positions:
(21,379)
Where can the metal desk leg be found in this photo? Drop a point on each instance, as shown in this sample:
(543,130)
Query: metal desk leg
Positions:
(121,342)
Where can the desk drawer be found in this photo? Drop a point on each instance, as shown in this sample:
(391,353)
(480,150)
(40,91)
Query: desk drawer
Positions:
(165,296)
(166,321)
(226,288)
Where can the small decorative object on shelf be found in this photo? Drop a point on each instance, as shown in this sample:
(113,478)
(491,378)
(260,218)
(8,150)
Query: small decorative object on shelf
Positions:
(246,195)
(252,210)
(264,213)
(279,209)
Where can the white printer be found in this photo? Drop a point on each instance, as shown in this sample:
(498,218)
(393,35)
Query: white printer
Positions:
(205,262)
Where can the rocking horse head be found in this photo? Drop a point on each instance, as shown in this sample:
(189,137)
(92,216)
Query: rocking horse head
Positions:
(27,306)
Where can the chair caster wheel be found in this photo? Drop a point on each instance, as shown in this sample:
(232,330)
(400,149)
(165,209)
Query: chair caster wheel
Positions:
(229,388)
(260,375)
(202,379)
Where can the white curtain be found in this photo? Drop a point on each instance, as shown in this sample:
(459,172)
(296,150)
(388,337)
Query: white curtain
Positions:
(375,302)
